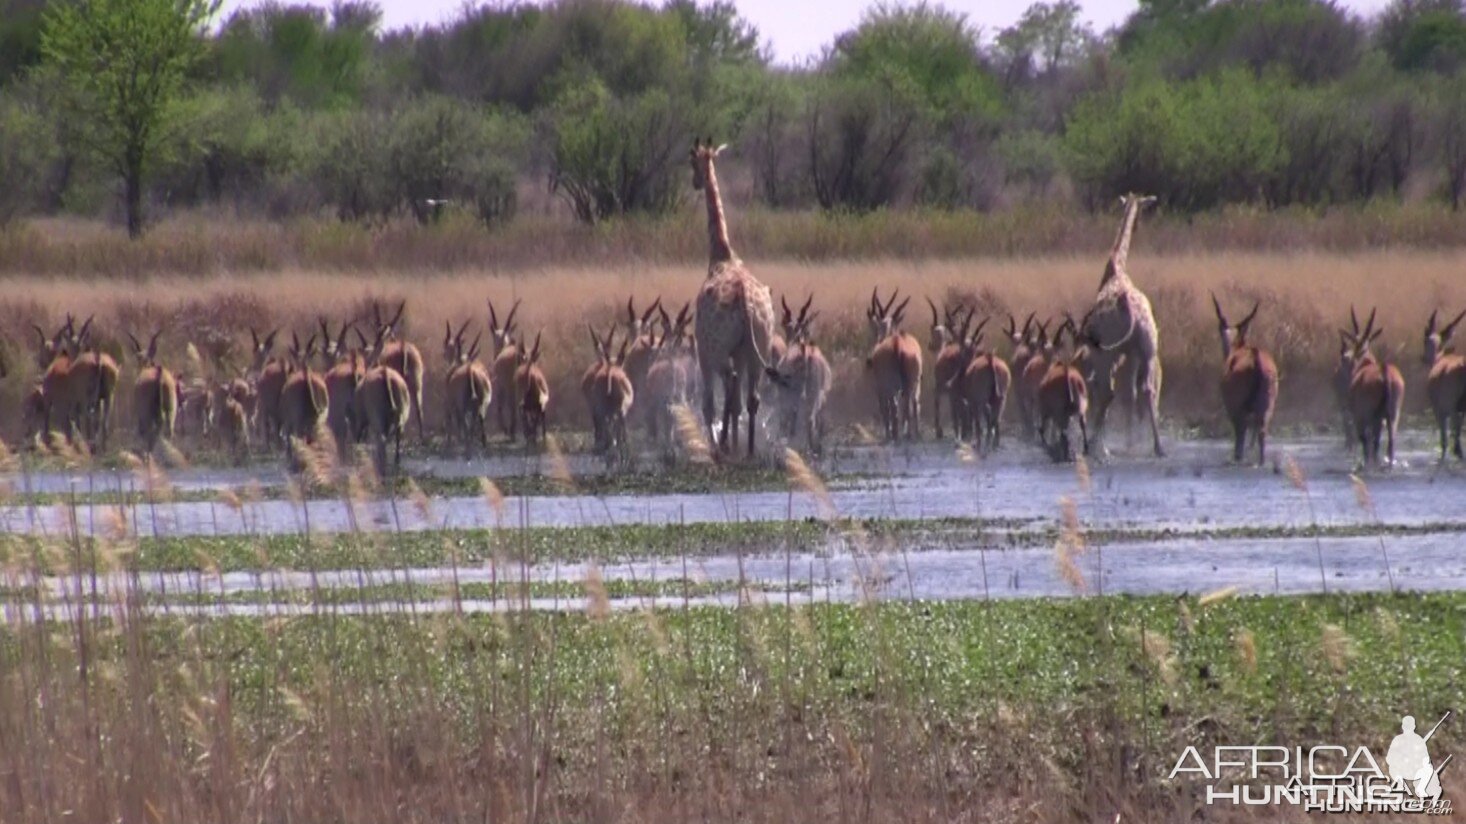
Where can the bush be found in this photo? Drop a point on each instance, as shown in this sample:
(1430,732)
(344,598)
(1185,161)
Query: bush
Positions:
(26,146)
(615,156)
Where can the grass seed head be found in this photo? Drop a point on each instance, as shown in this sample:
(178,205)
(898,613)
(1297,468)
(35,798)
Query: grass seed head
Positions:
(1246,646)
(1337,647)
(690,435)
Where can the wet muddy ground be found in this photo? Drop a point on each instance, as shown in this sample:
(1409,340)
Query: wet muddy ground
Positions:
(1176,525)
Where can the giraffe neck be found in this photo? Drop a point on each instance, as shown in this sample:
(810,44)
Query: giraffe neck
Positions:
(1120,253)
(719,249)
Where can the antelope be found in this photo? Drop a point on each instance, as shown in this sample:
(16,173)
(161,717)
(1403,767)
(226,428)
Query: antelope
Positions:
(1249,382)
(1037,350)
(470,391)
(196,407)
(33,412)
(341,380)
(97,374)
(672,378)
(1063,396)
(59,393)
(269,374)
(946,349)
(639,330)
(232,422)
(1343,374)
(155,395)
(1376,394)
(895,360)
(406,359)
(803,382)
(1021,341)
(506,361)
(984,383)
(611,395)
(534,391)
(1446,382)
(382,406)
(304,400)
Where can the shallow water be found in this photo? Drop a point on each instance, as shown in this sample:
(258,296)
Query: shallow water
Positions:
(1275,566)
(1192,490)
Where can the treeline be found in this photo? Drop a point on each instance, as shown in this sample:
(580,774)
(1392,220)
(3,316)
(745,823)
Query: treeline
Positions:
(289,109)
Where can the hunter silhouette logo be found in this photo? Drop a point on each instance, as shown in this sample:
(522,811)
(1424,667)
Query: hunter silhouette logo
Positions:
(1326,777)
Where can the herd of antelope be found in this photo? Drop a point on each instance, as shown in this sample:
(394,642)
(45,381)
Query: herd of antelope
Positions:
(361,383)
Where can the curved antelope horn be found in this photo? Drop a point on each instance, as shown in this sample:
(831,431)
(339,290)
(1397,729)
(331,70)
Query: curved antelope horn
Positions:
(886,310)
(788,313)
(377,313)
(1012,329)
(1430,324)
(493,316)
(1369,324)
(1218,308)
(1353,321)
(360,338)
(875,300)
(153,345)
(1250,315)
(534,353)
(935,321)
(270,338)
(254,337)
(86,328)
(631,309)
(977,333)
(325,328)
(341,341)
(447,333)
(1028,324)
(1451,327)
(473,350)
(621,355)
(137,347)
(392,324)
(808,302)
(39,332)
(509,321)
(651,310)
(685,316)
(900,310)
(595,342)
(458,338)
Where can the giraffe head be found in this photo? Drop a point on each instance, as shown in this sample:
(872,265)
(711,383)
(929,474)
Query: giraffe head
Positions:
(1437,339)
(1234,336)
(702,155)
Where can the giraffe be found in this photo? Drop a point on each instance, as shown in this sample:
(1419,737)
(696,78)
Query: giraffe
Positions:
(1124,339)
(734,315)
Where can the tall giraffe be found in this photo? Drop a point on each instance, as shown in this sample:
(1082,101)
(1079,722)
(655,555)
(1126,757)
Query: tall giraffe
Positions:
(1122,331)
(735,315)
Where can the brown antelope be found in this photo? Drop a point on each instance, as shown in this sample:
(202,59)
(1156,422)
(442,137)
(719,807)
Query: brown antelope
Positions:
(406,359)
(303,398)
(470,392)
(1249,383)
(895,362)
(1063,396)
(196,408)
(1039,351)
(534,391)
(348,366)
(1376,395)
(506,361)
(97,374)
(1343,375)
(611,395)
(803,382)
(61,395)
(945,347)
(1446,382)
(639,328)
(672,379)
(155,395)
(268,373)
(985,384)
(1020,340)
(382,406)
(231,422)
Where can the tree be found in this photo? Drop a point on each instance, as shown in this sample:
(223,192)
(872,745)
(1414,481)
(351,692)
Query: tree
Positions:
(127,61)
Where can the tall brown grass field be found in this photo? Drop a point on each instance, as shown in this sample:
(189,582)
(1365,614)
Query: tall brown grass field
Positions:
(1305,298)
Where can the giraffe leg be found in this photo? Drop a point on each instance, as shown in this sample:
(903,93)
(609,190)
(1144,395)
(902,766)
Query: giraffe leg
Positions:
(753,404)
(709,407)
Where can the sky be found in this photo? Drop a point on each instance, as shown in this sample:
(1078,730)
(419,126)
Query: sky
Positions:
(798,29)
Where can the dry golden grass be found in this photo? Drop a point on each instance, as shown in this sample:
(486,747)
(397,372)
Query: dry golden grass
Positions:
(1305,298)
